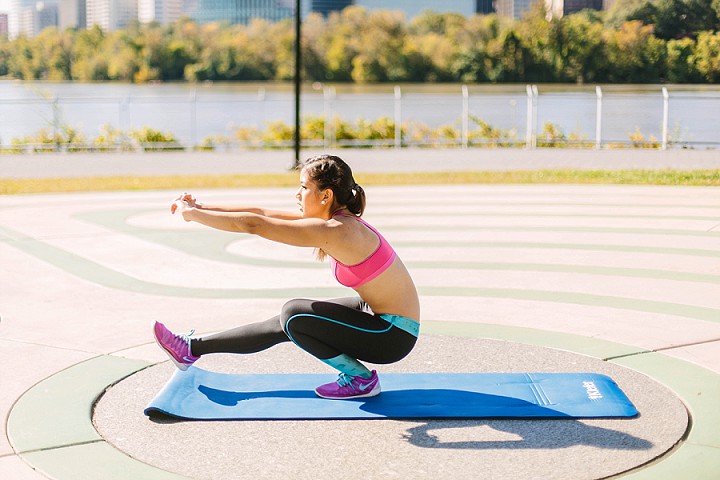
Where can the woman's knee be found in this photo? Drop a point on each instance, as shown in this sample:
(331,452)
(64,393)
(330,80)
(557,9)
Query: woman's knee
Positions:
(292,309)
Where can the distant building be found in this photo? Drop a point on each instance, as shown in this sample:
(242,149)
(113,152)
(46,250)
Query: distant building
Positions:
(3,25)
(72,14)
(484,7)
(413,8)
(16,14)
(161,11)
(111,15)
(240,11)
(513,8)
(31,19)
(45,15)
(607,4)
(560,8)
(326,7)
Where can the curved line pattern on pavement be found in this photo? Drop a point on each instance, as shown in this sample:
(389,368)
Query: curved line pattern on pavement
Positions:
(51,425)
(661,266)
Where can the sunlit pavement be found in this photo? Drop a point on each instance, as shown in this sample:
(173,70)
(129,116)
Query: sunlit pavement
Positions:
(622,280)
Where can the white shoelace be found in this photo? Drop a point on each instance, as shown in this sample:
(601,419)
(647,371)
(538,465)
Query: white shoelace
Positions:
(185,337)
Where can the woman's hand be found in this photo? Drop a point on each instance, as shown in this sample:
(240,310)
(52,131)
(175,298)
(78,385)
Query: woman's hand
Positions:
(184,201)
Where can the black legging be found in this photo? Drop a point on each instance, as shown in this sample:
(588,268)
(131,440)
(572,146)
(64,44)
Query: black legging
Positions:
(325,329)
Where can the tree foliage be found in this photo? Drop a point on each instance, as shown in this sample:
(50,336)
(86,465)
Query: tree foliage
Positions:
(638,41)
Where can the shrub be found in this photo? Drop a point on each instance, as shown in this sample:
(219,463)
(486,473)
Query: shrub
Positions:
(63,139)
(112,139)
(638,140)
(151,140)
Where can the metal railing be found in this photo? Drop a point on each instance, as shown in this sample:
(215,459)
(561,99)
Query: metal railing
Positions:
(464,119)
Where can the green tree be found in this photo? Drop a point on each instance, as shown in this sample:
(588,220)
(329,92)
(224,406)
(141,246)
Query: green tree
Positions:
(380,43)
(60,56)
(443,24)
(634,54)
(675,18)
(204,66)
(89,61)
(580,47)
(433,45)
(511,57)
(380,46)
(152,51)
(472,61)
(540,37)
(5,54)
(681,66)
(124,61)
(340,45)
(20,63)
(707,56)
(280,39)
(314,48)
(619,12)
(430,58)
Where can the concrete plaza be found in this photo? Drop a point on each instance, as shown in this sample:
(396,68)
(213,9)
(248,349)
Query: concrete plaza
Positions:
(615,279)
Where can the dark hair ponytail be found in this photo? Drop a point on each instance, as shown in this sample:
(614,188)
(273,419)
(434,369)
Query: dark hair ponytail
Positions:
(357,203)
(330,171)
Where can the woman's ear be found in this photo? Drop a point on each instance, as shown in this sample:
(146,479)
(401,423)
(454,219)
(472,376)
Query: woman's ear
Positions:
(328,196)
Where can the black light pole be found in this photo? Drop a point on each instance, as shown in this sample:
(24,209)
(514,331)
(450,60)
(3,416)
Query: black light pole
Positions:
(298,69)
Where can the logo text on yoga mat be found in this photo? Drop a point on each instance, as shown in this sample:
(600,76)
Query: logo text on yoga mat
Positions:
(592,391)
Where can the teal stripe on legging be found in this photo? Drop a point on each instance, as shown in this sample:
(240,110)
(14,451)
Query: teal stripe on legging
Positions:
(287,329)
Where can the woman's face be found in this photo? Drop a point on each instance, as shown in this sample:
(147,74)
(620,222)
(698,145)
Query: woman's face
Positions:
(310,198)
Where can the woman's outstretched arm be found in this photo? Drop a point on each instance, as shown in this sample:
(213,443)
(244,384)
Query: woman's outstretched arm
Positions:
(192,202)
(265,212)
(303,232)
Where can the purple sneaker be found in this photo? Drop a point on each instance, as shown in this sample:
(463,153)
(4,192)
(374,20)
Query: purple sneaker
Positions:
(348,386)
(176,346)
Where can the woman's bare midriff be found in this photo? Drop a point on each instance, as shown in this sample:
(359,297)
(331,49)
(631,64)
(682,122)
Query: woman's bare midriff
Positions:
(392,292)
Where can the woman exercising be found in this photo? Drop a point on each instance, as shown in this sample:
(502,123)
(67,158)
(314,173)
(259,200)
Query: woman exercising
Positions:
(379,326)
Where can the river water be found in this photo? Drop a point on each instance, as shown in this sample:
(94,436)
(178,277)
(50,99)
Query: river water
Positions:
(193,112)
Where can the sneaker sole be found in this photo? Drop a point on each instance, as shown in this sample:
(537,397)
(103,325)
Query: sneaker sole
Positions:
(179,365)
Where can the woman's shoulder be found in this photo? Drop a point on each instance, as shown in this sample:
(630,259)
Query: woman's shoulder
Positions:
(354,222)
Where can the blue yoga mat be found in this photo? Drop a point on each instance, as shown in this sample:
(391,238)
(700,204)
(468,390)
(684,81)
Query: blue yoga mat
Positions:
(203,395)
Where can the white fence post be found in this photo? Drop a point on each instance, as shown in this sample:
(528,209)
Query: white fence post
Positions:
(398,117)
(122,107)
(129,115)
(55,105)
(529,122)
(465,117)
(532,116)
(535,115)
(598,118)
(328,96)
(193,117)
(666,117)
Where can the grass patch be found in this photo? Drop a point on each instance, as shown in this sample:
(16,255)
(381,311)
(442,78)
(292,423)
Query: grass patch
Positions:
(180,182)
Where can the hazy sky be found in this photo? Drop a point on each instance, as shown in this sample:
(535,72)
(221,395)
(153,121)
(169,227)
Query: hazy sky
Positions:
(4,5)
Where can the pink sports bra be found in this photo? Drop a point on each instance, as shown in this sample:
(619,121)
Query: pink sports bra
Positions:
(356,275)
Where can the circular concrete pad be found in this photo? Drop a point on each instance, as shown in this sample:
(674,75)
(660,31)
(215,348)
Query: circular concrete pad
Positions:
(387,449)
